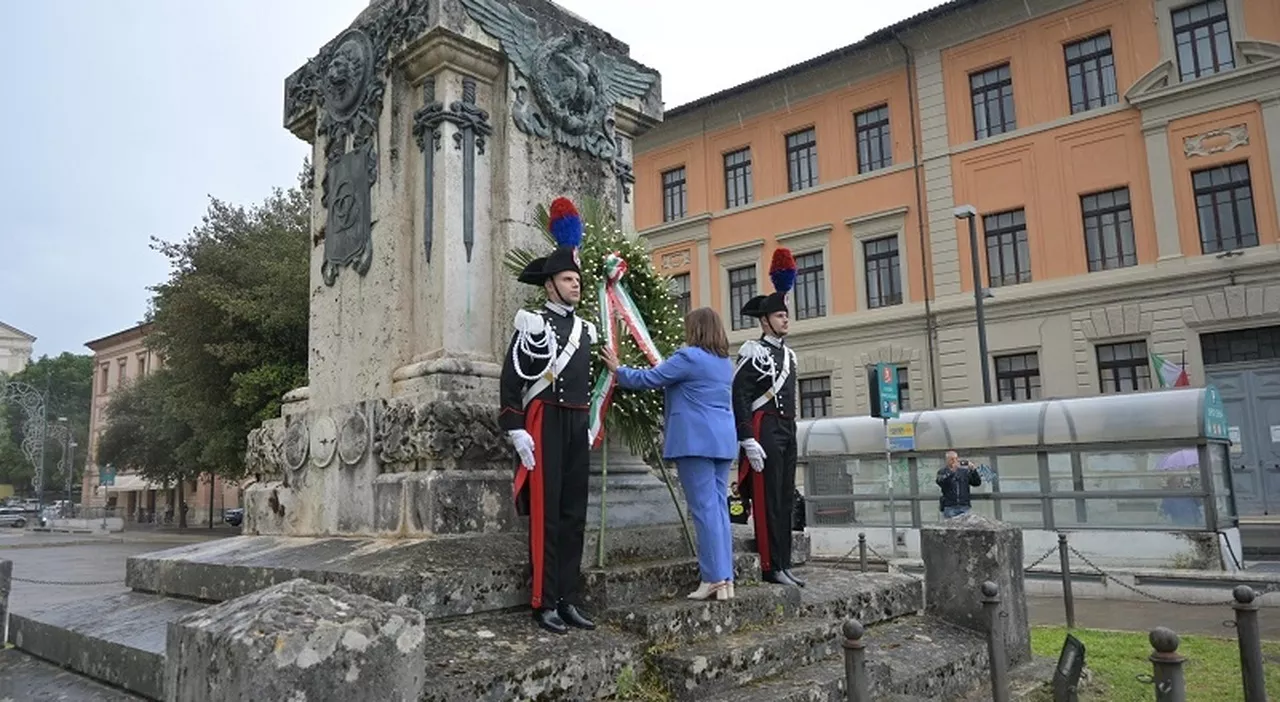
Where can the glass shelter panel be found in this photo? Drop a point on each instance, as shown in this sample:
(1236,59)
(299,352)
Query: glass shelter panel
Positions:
(1134,461)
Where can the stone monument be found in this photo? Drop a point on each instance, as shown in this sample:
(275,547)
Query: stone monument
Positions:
(962,553)
(437,127)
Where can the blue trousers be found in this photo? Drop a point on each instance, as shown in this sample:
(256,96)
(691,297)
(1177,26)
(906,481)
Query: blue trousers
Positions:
(706,486)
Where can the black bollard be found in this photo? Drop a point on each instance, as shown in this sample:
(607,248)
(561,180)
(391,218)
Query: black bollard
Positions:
(995,643)
(862,550)
(1250,642)
(1166,664)
(855,662)
(1068,599)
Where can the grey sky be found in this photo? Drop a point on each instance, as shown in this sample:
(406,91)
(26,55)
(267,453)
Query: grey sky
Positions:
(123,116)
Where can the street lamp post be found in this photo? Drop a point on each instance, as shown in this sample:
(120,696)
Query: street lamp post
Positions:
(70,454)
(970,213)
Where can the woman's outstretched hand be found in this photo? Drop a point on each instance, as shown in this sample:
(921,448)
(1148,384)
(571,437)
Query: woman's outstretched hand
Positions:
(610,359)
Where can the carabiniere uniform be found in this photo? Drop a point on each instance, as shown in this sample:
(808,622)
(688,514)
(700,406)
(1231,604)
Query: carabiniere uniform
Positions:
(764,408)
(545,390)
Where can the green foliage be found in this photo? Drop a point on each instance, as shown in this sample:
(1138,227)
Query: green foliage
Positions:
(231,324)
(1116,658)
(68,379)
(636,416)
(144,432)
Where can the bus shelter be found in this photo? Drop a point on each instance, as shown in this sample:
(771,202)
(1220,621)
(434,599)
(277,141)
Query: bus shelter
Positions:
(1138,462)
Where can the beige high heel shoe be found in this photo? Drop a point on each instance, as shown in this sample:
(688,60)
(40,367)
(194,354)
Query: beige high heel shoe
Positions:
(728,588)
(706,590)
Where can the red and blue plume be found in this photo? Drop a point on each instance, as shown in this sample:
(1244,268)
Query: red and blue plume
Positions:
(782,271)
(565,223)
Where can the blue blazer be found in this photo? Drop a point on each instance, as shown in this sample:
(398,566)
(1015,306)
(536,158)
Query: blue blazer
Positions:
(698,389)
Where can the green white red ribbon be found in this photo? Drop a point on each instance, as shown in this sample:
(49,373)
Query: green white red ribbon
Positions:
(616,304)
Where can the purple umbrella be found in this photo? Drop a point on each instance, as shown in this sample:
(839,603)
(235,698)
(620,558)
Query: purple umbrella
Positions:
(1184,459)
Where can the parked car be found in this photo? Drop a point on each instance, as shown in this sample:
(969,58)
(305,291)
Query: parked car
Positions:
(14,517)
(234,517)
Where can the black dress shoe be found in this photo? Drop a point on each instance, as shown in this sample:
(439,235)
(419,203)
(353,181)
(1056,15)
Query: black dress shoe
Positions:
(778,577)
(571,616)
(793,577)
(550,620)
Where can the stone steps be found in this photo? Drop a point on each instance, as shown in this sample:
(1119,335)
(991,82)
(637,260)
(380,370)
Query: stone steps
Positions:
(119,640)
(440,577)
(28,679)
(832,594)
(915,657)
(735,643)
(650,581)
(501,657)
(696,671)
(683,620)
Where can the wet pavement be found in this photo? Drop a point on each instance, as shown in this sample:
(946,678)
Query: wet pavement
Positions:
(1128,615)
(43,562)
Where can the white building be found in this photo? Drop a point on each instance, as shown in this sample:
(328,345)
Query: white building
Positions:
(15,349)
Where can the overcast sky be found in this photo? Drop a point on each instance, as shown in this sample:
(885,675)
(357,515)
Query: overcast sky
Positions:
(122,117)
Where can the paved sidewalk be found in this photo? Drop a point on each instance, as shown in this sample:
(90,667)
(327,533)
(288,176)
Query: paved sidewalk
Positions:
(17,538)
(1127,615)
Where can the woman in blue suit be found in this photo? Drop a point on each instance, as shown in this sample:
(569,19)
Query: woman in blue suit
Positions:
(700,437)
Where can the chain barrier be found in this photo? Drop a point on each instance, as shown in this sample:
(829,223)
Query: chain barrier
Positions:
(1053,550)
(67,582)
(1159,598)
(871,550)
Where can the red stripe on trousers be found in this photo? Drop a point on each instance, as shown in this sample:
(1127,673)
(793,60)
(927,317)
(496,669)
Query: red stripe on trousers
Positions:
(533,480)
(758,517)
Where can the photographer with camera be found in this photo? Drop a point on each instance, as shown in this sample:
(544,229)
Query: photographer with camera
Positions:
(955,479)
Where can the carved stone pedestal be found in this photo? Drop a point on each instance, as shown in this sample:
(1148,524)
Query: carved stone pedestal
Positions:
(437,127)
(635,495)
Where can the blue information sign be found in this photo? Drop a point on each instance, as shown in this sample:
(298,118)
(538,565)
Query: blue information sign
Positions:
(887,377)
(107,475)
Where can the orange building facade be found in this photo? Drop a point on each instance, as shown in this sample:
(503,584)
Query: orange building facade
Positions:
(119,359)
(1122,160)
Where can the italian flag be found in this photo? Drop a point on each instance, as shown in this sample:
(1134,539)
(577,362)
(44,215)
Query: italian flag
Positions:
(1171,375)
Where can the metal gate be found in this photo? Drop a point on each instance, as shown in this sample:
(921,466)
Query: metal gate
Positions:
(1245,367)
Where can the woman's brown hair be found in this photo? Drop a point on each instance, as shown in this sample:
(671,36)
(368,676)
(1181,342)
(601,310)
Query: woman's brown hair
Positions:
(703,329)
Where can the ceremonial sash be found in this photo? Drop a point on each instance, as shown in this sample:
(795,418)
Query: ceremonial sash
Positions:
(777,382)
(555,369)
(616,304)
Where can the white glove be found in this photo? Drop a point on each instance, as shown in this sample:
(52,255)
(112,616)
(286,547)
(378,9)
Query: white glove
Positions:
(755,453)
(523,444)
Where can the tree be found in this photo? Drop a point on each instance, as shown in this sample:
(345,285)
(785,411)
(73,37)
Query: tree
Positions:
(231,324)
(68,380)
(144,433)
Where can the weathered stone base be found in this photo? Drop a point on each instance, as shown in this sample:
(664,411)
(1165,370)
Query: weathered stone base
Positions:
(24,677)
(962,553)
(445,502)
(916,658)
(501,657)
(297,641)
(632,500)
(440,577)
(118,639)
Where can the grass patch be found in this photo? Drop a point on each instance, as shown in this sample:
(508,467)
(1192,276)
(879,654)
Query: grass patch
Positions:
(1116,658)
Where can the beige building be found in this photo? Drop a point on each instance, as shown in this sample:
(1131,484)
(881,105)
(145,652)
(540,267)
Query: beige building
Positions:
(1121,159)
(118,359)
(15,349)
